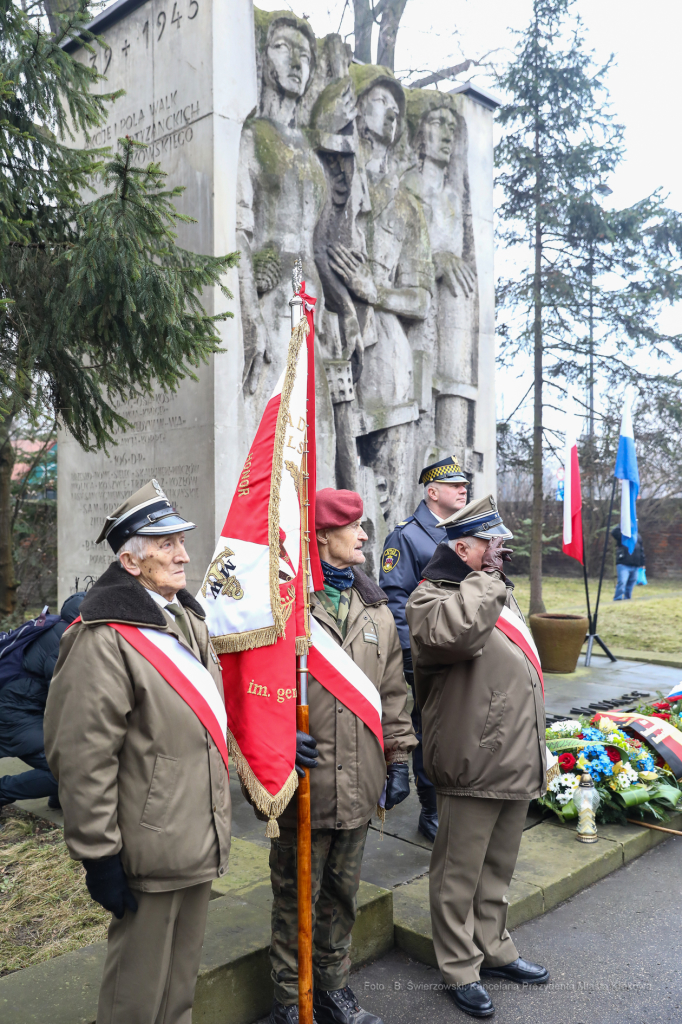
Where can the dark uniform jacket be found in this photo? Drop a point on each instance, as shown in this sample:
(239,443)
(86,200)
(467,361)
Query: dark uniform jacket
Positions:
(407,552)
(482,707)
(22,699)
(623,556)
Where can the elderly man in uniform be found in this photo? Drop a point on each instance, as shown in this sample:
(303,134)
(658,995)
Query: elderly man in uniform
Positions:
(142,783)
(349,773)
(479,686)
(407,552)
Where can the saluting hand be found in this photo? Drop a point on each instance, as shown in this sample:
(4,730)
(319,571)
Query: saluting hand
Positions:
(495,555)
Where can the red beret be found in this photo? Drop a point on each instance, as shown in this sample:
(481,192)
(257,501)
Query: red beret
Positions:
(336,508)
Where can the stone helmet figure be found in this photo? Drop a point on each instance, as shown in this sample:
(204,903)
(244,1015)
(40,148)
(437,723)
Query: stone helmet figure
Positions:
(381,105)
(434,125)
(287,55)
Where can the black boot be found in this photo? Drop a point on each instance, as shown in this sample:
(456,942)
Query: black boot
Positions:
(340,1007)
(428,819)
(280,1014)
(53,802)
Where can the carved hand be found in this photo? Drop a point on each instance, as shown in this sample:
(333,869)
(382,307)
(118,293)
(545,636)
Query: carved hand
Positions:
(352,268)
(458,275)
(256,352)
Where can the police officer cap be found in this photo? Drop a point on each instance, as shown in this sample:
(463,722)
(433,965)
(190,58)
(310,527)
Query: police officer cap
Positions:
(148,512)
(445,472)
(479,518)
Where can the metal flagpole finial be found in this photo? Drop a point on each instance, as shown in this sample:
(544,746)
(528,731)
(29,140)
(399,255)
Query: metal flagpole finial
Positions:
(297,275)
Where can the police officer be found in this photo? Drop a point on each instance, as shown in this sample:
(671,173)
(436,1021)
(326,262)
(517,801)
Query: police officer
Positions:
(406,553)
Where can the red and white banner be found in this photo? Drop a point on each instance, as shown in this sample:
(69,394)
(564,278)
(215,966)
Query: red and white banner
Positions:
(185,674)
(253,589)
(516,630)
(573,502)
(660,734)
(338,673)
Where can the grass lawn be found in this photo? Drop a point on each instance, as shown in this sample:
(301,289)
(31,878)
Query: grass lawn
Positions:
(651,621)
(45,909)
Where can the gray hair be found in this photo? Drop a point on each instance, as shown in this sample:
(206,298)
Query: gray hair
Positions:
(138,546)
(467,540)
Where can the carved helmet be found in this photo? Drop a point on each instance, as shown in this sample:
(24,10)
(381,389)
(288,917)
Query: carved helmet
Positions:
(420,103)
(366,76)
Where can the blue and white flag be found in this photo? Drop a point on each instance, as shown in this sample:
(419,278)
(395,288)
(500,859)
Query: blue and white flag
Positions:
(627,471)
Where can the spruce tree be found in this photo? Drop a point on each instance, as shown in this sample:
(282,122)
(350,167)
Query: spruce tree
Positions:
(97,301)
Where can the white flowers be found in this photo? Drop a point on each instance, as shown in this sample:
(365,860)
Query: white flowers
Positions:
(563,786)
(626,777)
(566,727)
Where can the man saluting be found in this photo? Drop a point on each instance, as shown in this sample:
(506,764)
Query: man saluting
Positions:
(135,734)
(479,686)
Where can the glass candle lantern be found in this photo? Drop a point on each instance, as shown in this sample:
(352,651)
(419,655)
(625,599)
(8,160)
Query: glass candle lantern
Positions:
(586,799)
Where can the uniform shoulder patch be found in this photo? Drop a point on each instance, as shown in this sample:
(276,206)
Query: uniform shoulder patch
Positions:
(390,559)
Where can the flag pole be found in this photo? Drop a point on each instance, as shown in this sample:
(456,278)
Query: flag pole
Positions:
(593,628)
(303,850)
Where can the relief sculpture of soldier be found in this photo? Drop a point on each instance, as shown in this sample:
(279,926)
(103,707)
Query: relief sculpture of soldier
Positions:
(396,279)
(281,193)
(440,181)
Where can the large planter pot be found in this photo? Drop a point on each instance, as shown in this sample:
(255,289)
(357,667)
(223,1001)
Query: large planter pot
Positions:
(558,638)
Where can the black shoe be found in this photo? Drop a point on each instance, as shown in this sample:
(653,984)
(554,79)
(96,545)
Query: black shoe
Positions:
(340,1007)
(280,1014)
(521,971)
(53,802)
(473,999)
(5,802)
(428,824)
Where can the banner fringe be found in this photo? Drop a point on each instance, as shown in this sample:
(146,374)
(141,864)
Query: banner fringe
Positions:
(263,801)
(302,645)
(232,643)
(298,336)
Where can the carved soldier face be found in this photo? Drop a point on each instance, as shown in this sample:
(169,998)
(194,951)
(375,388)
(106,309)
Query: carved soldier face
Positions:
(380,114)
(289,60)
(438,135)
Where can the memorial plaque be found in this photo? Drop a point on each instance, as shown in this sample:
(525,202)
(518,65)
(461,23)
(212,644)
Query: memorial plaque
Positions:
(188,71)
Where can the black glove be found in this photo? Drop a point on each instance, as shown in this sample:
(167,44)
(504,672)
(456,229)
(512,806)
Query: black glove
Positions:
(407,660)
(306,752)
(397,784)
(107,884)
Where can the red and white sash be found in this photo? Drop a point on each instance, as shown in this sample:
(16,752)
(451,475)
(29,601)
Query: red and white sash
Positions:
(185,674)
(337,672)
(516,630)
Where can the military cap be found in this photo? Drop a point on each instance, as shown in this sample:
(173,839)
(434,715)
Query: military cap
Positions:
(336,508)
(479,518)
(445,472)
(147,512)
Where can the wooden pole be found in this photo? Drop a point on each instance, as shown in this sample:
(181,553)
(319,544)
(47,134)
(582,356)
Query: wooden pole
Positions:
(303,847)
(658,828)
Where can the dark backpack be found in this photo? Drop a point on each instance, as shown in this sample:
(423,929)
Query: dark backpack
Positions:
(14,643)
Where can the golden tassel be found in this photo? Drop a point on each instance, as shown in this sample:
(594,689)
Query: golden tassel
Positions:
(272,829)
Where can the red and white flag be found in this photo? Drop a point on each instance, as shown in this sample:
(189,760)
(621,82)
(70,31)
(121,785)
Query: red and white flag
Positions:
(573,502)
(253,589)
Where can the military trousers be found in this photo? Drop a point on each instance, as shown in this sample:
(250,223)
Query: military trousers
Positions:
(336,861)
(153,955)
(472,863)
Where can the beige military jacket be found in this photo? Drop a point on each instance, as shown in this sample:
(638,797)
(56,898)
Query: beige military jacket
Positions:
(483,712)
(138,773)
(350,776)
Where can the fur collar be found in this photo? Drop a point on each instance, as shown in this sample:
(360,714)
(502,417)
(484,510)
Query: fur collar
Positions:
(446,566)
(118,597)
(368,591)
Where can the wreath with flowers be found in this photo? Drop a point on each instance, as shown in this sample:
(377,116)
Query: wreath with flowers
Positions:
(631,778)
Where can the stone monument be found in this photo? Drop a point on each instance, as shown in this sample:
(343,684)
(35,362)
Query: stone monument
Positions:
(287,148)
